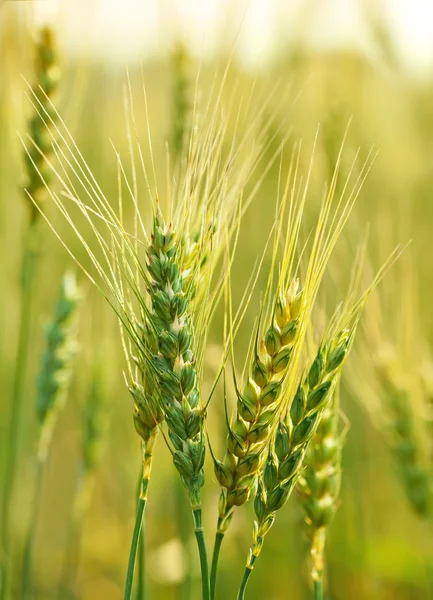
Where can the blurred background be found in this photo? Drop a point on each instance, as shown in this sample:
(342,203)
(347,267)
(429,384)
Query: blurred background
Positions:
(368,62)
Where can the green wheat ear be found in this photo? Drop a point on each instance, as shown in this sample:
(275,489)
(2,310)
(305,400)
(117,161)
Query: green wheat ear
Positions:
(319,485)
(172,367)
(56,362)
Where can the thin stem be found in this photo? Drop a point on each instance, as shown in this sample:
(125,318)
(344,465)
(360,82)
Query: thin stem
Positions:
(247,574)
(141,583)
(318,589)
(219,537)
(141,587)
(29,268)
(31,531)
(134,546)
(183,512)
(141,505)
(199,534)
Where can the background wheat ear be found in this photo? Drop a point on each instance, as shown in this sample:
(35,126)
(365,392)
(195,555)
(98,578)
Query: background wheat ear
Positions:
(398,400)
(319,484)
(47,76)
(181,101)
(403,435)
(51,390)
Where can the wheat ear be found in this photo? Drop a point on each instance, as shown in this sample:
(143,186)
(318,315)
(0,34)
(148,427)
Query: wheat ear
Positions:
(403,438)
(181,101)
(257,408)
(319,485)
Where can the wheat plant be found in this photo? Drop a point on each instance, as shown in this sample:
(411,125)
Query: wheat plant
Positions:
(51,391)
(46,78)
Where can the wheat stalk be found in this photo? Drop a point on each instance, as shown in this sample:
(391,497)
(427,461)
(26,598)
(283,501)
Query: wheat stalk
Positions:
(170,373)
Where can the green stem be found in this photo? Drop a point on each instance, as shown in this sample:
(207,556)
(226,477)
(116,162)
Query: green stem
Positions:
(141,504)
(134,546)
(31,531)
(247,574)
(318,589)
(199,534)
(141,583)
(183,512)
(29,267)
(219,537)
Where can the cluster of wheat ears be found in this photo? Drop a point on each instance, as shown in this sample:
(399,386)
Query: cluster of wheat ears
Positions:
(166,277)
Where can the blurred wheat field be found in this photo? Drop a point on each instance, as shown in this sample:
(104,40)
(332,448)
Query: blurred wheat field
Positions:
(378,548)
